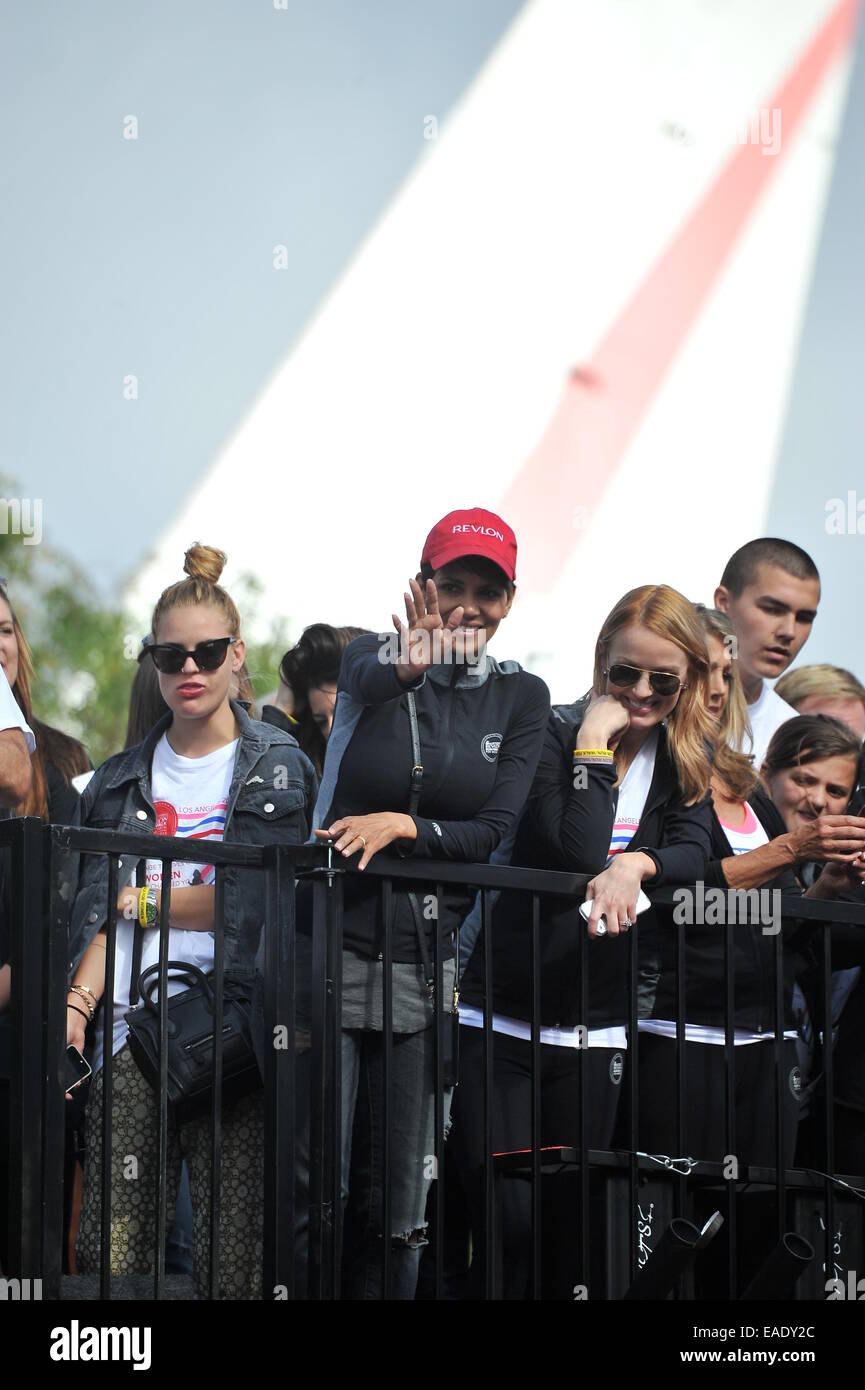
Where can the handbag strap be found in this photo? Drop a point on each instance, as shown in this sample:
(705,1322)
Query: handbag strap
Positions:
(415,784)
(416,780)
(414,801)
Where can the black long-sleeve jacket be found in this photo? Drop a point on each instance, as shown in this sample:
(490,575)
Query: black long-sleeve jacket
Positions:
(481,729)
(753,957)
(569,827)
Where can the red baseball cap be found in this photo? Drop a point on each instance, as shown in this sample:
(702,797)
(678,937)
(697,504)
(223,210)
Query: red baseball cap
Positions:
(472,532)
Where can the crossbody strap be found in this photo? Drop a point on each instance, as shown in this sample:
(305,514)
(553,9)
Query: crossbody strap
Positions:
(414,802)
(417,766)
(415,784)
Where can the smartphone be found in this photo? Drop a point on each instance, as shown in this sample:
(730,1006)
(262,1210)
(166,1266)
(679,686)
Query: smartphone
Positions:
(586,907)
(78,1069)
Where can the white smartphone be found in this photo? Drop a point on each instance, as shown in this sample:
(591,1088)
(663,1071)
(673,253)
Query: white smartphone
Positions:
(586,907)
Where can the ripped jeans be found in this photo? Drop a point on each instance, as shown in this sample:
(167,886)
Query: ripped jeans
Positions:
(412,1120)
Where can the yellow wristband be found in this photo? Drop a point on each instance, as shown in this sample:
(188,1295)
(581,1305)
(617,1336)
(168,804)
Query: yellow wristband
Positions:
(593,753)
(142,908)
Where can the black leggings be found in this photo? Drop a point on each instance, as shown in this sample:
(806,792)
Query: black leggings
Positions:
(512,1130)
(705,1100)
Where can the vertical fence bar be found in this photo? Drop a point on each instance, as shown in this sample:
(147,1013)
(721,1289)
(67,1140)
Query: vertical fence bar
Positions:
(829,1088)
(438,1088)
(386,1080)
(490,1230)
(320,1277)
(681,1183)
(334,1071)
(536,1098)
(279,1079)
(27,866)
(108,1080)
(730,1102)
(216,1099)
(582,1114)
(634,1099)
(780,1165)
(55,959)
(167,869)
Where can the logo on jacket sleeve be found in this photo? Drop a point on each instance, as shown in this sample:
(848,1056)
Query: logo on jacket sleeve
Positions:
(490,745)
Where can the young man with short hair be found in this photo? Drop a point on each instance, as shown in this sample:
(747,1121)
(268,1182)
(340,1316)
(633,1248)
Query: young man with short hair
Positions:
(770,590)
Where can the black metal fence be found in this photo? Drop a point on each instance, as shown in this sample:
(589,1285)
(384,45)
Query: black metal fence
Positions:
(815,1215)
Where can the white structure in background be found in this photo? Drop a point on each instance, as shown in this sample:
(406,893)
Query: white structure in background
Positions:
(437,362)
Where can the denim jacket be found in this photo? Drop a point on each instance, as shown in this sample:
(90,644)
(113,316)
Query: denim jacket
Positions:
(270,801)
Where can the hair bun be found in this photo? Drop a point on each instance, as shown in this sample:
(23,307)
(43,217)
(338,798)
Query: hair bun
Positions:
(204,562)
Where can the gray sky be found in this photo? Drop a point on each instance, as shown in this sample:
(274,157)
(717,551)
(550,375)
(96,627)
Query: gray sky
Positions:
(154,256)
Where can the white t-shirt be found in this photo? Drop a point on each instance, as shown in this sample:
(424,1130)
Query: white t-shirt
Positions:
(190,797)
(767,714)
(11,716)
(633,794)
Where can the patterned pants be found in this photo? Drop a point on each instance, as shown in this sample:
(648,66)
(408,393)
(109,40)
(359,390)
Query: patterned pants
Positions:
(134,1165)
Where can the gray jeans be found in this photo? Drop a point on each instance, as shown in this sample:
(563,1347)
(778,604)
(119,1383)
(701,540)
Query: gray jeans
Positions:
(412,1121)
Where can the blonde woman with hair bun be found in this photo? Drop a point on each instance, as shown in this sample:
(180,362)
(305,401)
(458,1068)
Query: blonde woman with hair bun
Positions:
(208,771)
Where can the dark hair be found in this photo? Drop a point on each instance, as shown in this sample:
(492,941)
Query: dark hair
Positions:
(475,564)
(808,738)
(741,568)
(146,705)
(314,661)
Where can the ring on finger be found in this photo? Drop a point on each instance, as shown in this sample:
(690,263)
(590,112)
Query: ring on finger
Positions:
(362,840)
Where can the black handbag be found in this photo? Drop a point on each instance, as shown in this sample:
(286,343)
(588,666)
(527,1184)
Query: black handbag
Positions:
(451,1028)
(190,1040)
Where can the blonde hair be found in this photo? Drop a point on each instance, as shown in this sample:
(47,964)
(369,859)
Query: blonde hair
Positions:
(691,734)
(203,565)
(732,766)
(829,682)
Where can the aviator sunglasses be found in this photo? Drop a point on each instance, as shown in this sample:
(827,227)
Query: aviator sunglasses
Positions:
(662,682)
(208,656)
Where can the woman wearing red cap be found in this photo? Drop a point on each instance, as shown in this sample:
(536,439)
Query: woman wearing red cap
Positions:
(480,726)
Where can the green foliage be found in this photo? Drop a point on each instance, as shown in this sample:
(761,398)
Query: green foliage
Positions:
(85,649)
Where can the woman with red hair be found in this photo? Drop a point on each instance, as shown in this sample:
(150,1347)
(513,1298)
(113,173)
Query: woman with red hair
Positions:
(621,792)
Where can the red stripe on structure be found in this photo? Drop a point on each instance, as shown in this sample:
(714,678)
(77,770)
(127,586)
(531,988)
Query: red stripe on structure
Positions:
(605,401)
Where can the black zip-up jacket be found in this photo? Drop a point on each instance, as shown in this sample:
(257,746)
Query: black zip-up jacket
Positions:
(753,948)
(480,730)
(568,827)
